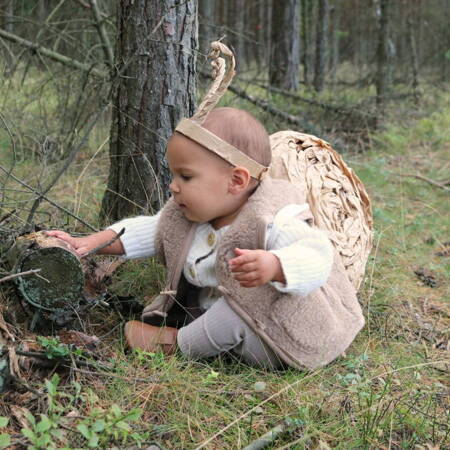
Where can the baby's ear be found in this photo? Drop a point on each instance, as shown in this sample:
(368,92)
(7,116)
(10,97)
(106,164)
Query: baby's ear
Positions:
(239,180)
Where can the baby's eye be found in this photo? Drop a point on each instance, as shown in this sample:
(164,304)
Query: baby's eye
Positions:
(185,177)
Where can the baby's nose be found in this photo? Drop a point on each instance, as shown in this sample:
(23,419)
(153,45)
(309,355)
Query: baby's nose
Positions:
(173,187)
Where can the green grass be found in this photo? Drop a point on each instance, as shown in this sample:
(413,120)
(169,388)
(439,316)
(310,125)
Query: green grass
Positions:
(387,391)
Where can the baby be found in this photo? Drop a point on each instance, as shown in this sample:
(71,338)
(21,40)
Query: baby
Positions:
(247,273)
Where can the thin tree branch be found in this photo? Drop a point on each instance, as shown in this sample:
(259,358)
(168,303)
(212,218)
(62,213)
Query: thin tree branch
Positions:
(52,55)
(21,274)
(47,199)
(67,163)
(428,180)
(100,24)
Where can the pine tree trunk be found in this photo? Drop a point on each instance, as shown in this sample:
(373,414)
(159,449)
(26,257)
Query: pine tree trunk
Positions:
(334,47)
(382,79)
(285,52)
(155,58)
(321,45)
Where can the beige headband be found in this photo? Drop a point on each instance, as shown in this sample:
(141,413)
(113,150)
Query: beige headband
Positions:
(191,128)
(225,150)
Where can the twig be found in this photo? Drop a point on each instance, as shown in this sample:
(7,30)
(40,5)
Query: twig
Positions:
(96,249)
(52,55)
(47,199)
(61,361)
(21,274)
(428,180)
(99,23)
(267,438)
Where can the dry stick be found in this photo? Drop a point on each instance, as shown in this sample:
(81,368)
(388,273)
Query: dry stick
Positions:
(21,274)
(267,438)
(47,199)
(100,24)
(428,180)
(51,54)
(96,249)
(323,105)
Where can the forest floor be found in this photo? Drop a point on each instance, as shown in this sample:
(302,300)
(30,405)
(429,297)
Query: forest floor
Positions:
(391,388)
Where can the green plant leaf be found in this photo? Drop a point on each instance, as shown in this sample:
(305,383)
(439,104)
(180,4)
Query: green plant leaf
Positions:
(5,440)
(93,441)
(58,434)
(134,414)
(115,409)
(123,425)
(44,424)
(84,430)
(98,426)
(28,433)
(3,421)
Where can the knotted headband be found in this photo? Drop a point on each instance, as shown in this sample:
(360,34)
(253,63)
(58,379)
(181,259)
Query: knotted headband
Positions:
(222,75)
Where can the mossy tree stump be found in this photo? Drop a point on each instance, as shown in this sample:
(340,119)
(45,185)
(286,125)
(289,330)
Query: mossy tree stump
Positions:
(56,289)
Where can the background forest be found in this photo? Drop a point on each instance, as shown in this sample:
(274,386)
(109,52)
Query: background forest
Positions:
(90,90)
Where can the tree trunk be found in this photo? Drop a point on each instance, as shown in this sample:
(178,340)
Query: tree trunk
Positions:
(321,45)
(155,58)
(414,61)
(334,47)
(285,52)
(305,17)
(382,78)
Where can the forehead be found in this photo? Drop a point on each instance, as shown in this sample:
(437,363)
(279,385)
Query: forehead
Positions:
(182,151)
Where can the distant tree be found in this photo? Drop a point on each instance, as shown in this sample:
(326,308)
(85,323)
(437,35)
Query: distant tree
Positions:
(321,45)
(155,63)
(206,34)
(382,77)
(285,47)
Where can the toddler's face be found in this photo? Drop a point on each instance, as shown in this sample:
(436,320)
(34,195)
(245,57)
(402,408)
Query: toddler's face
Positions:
(200,182)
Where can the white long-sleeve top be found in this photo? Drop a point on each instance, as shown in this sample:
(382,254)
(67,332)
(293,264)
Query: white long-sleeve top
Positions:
(305,253)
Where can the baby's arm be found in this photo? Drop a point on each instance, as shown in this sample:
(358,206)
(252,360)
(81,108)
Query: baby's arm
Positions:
(83,245)
(138,240)
(298,260)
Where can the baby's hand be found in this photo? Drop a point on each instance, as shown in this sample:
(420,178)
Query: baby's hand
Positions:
(81,245)
(255,267)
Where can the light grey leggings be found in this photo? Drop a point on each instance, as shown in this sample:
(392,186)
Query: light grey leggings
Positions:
(221,330)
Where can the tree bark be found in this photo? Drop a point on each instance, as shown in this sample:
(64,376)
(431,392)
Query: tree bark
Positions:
(285,51)
(155,58)
(382,78)
(321,45)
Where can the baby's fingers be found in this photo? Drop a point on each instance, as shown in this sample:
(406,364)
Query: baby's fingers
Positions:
(245,267)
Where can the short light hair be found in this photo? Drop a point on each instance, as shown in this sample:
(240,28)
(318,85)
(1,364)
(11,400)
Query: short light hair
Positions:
(240,129)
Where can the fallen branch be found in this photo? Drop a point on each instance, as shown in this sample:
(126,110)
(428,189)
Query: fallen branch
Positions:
(21,274)
(326,106)
(301,122)
(51,54)
(428,180)
(267,438)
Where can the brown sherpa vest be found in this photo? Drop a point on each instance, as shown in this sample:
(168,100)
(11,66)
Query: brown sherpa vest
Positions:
(306,331)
